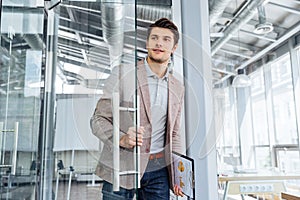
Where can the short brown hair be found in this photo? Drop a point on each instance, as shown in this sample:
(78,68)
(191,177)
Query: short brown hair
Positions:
(165,23)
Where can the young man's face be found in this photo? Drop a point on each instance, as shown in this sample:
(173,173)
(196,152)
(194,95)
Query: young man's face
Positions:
(160,45)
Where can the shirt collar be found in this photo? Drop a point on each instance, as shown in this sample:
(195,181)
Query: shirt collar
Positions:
(150,73)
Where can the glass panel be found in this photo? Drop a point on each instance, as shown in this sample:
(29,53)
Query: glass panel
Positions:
(228,151)
(259,112)
(94,38)
(230,133)
(21,59)
(283,102)
(263,157)
(99,44)
(288,159)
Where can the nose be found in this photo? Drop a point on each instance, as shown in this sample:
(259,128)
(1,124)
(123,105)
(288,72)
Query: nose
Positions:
(158,42)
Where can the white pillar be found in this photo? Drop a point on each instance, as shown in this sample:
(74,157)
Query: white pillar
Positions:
(201,136)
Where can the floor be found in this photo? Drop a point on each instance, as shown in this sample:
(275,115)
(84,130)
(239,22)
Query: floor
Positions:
(81,190)
(78,191)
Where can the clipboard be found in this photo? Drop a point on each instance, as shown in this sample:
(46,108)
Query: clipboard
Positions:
(184,174)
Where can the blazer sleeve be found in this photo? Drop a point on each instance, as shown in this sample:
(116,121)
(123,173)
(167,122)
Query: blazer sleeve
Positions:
(102,120)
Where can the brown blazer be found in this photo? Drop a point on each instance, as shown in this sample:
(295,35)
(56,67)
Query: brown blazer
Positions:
(122,80)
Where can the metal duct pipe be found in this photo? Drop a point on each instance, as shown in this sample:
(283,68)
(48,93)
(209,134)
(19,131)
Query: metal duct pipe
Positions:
(292,31)
(113,14)
(34,41)
(295,29)
(153,13)
(216,11)
(261,14)
(242,19)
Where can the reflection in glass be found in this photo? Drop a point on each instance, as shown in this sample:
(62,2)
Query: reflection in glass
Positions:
(260,120)
(228,151)
(21,56)
(93,38)
(259,112)
(283,102)
(263,158)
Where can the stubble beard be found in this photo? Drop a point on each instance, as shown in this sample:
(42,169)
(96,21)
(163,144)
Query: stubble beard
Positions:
(160,61)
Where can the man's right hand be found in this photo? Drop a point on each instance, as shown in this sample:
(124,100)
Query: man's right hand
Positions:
(129,140)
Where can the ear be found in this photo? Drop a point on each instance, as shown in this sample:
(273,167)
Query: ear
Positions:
(174,48)
(147,44)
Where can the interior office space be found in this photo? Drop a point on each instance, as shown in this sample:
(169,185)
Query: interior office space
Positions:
(239,61)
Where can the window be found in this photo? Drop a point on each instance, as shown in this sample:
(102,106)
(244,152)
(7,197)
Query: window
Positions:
(259,111)
(273,117)
(283,102)
(228,151)
(260,120)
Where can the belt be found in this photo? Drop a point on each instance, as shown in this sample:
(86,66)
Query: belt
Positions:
(157,155)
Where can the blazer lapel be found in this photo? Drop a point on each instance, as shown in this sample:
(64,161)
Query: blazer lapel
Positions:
(144,90)
(174,91)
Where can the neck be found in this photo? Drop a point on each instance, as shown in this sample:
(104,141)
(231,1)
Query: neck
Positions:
(158,68)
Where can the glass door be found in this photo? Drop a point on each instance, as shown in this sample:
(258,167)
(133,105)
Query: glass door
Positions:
(21,65)
(94,39)
(57,61)
(99,46)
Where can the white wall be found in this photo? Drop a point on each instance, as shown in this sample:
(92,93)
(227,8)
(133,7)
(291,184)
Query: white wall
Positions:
(73,125)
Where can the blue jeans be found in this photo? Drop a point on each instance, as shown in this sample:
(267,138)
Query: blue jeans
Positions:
(122,194)
(154,185)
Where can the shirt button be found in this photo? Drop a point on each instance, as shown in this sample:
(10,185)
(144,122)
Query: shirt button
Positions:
(147,150)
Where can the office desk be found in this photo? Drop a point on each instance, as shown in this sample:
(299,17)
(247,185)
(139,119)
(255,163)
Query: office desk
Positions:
(290,196)
(259,183)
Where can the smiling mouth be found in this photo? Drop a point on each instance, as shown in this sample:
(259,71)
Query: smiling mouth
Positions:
(158,50)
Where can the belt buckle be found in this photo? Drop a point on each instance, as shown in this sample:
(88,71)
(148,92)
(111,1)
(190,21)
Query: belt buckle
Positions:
(155,156)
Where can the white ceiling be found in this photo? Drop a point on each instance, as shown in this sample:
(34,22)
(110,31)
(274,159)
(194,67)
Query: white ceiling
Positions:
(83,51)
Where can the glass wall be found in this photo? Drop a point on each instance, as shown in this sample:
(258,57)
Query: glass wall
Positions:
(94,38)
(283,101)
(21,64)
(260,120)
(274,109)
(57,60)
(229,152)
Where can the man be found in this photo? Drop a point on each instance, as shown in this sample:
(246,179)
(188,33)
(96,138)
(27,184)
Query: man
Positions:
(161,98)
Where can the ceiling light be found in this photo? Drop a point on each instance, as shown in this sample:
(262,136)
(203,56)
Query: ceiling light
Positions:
(241,79)
(262,29)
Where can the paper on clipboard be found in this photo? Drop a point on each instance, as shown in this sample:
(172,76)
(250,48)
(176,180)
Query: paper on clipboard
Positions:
(184,173)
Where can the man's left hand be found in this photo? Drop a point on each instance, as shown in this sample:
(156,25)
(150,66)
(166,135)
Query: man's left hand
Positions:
(177,191)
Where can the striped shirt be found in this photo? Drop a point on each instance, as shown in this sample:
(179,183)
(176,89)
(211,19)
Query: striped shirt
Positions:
(158,90)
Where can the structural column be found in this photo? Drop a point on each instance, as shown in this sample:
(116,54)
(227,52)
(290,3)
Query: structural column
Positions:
(200,131)
(48,121)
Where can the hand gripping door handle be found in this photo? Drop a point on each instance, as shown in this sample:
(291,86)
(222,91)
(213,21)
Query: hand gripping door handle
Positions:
(116,141)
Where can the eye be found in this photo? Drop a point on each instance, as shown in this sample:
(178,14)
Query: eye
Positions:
(153,37)
(167,39)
